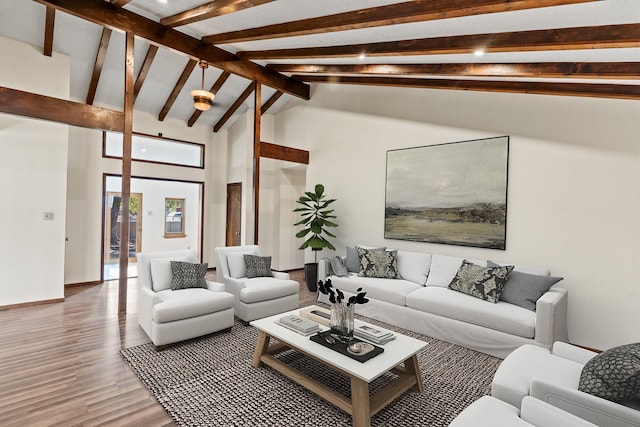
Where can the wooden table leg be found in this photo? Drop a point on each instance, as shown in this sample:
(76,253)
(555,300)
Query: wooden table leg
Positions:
(412,368)
(360,405)
(261,347)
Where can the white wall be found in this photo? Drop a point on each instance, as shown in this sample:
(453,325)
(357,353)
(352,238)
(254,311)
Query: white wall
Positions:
(33,175)
(573,196)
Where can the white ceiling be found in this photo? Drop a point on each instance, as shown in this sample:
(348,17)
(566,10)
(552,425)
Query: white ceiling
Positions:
(24,20)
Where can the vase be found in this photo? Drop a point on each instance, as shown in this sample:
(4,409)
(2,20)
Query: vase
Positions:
(341,322)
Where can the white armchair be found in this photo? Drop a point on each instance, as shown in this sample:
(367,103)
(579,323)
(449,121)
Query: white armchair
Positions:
(169,316)
(256,297)
(553,377)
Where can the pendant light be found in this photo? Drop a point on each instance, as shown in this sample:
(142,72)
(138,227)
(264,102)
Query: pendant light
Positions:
(202,99)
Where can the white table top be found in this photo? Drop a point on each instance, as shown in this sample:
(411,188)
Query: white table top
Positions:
(395,351)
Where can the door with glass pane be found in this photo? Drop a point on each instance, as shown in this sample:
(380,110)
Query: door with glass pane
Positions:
(113,221)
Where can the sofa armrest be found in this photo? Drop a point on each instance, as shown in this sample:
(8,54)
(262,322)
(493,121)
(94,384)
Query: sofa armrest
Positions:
(541,414)
(594,409)
(572,352)
(322,270)
(551,317)
(280,275)
(146,300)
(215,286)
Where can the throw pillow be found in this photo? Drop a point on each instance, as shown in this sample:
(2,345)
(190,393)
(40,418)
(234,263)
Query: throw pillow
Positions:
(613,374)
(258,266)
(378,263)
(485,283)
(525,289)
(188,275)
(338,268)
(353,259)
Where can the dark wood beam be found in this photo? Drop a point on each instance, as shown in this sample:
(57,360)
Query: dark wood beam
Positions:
(209,10)
(106,15)
(125,191)
(271,101)
(214,90)
(280,152)
(600,37)
(257,118)
(97,66)
(591,70)
(177,88)
(617,91)
(50,20)
(238,102)
(43,107)
(399,13)
(144,70)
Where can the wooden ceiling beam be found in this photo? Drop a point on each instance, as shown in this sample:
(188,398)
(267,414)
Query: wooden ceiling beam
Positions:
(271,101)
(598,37)
(119,3)
(144,70)
(209,10)
(617,91)
(97,66)
(43,107)
(177,88)
(214,90)
(50,20)
(591,70)
(238,102)
(399,13)
(105,14)
(280,152)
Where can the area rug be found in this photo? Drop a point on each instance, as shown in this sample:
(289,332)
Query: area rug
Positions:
(209,381)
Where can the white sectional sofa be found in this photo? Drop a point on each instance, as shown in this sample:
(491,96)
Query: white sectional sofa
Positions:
(421,301)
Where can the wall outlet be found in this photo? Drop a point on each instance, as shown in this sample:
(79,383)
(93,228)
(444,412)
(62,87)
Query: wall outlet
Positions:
(49,216)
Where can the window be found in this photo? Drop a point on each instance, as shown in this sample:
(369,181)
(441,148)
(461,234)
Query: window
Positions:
(155,149)
(174,218)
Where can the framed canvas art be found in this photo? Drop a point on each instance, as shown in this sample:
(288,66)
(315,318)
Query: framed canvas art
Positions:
(454,193)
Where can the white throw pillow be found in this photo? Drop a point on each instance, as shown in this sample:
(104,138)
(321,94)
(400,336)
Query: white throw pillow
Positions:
(161,274)
(444,268)
(414,266)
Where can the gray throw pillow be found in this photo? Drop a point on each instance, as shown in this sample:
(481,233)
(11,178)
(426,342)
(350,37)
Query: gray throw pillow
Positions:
(613,374)
(188,275)
(352,260)
(378,263)
(258,266)
(338,268)
(485,283)
(523,289)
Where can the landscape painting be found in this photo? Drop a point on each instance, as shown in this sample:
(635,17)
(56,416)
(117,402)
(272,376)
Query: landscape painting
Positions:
(454,194)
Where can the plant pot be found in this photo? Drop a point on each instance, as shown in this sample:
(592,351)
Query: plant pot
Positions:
(311,276)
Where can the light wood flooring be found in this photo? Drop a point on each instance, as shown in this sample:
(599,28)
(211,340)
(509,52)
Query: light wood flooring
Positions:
(60,362)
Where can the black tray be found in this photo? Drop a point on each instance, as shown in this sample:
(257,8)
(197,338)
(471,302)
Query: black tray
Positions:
(341,347)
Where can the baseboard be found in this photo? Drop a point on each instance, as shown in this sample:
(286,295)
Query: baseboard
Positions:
(30,304)
(94,282)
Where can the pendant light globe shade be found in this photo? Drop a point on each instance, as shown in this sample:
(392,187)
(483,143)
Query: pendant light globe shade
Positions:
(202,100)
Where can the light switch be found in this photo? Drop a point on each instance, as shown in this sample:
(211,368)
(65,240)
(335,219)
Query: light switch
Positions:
(49,216)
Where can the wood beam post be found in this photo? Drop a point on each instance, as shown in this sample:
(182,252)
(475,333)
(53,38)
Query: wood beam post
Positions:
(257,116)
(50,20)
(126,174)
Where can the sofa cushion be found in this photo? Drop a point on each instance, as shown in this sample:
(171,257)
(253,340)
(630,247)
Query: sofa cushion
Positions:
(161,274)
(613,374)
(444,268)
(485,283)
(258,266)
(189,303)
(414,266)
(188,275)
(266,288)
(501,316)
(393,291)
(525,289)
(378,263)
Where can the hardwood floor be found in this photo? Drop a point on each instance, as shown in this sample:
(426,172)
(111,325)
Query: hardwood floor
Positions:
(60,363)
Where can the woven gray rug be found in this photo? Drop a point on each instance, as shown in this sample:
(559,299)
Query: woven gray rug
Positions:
(209,381)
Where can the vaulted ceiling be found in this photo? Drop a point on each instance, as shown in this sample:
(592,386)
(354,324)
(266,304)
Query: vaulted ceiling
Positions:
(558,47)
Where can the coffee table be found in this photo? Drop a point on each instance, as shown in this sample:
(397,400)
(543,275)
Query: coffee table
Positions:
(399,356)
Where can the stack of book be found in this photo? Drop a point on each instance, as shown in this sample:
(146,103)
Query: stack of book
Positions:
(373,334)
(299,324)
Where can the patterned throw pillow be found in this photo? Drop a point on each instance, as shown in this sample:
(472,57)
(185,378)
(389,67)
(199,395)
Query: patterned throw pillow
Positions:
(188,275)
(378,263)
(485,283)
(613,374)
(258,266)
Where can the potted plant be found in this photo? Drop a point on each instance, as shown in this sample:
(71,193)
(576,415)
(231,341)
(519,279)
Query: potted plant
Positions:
(315,220)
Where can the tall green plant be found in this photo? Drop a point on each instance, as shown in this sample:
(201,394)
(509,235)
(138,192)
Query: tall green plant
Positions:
(315,220)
